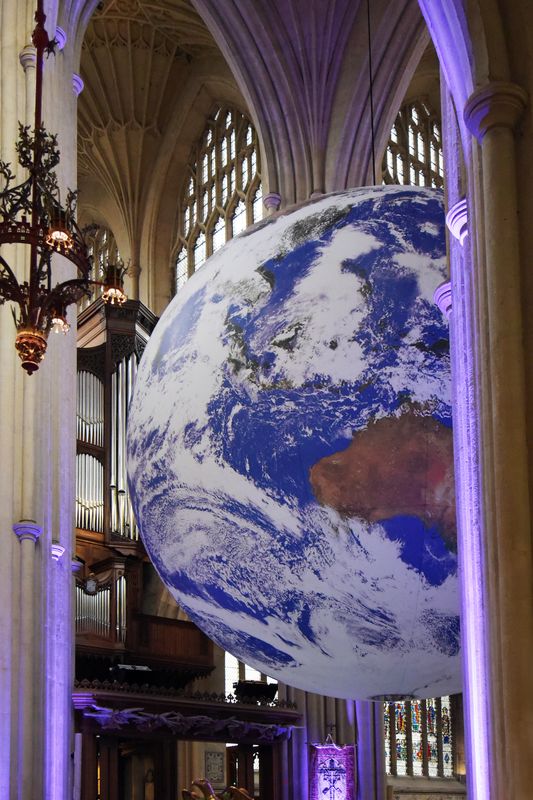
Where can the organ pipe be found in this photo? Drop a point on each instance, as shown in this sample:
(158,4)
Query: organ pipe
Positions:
(90,409)
(93,611)
(89,493)
(122,381)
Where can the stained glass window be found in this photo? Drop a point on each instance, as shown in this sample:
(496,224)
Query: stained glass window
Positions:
(414,152)
(387,732)
(400,729)
(222,190)
(418,738)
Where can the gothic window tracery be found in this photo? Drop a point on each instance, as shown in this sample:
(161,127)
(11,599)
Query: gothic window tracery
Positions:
(103,250)
(414,151)
(222,191)
(418,738)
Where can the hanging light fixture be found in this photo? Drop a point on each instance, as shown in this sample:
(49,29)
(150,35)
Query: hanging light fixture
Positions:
(31,213)
(113,283)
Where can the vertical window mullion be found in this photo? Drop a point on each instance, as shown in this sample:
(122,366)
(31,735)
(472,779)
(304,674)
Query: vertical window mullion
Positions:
(440,762)
(409,737)
(425,767)
(392,735)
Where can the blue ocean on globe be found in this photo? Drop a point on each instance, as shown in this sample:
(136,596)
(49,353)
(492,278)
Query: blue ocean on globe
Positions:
(290,448)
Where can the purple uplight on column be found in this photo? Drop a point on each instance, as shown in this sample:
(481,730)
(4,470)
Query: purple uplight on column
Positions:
(469,512)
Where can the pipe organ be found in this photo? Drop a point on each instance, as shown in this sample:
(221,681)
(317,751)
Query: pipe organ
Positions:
(93,610)
(102,602)
(111,341)
(122,381)
(89,493)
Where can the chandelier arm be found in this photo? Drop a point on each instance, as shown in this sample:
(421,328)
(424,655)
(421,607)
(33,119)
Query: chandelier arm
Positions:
(65,293)
(9,281)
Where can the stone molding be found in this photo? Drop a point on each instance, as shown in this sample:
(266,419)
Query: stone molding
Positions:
(77,84)
(56,550)
(272,201)
(28,57)
(27,529)
(457,220)
(61,38)
(443,298)
(498,104)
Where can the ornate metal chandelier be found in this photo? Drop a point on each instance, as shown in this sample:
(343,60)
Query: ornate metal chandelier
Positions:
(31,214)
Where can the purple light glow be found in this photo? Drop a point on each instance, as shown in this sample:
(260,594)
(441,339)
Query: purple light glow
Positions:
(332,772)
(448,26)
(470,528)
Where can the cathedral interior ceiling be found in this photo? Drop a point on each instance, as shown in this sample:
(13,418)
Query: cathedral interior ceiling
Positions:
(135,56)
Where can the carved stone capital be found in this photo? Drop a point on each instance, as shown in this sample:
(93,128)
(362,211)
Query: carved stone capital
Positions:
(56,550)
(457,220)
(27,529)
(443,298)
(61,38)
(272,201)
(77,84)
(28,57)
(498,104)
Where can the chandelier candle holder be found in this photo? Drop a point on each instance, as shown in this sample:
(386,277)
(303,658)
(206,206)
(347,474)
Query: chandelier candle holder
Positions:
(113,283)
(31,214)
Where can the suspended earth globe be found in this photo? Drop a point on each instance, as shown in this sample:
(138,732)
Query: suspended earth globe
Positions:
(290,448)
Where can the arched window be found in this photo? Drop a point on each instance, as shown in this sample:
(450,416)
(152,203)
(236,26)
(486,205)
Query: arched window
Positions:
(414,152)
(418,738)
(222,190)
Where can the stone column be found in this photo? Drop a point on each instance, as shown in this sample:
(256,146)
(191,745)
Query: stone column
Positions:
(498,634)
(134,273)
(28,532)
(370,751)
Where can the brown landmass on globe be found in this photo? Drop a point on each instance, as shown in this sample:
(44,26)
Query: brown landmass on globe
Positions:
(396,466)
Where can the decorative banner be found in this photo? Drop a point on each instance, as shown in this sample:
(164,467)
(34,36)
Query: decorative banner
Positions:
(332,772)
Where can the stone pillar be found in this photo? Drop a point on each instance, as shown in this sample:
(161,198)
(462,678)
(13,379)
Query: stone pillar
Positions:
(37,441)
(370,751)
(498,605)
(134,273)
(28,532)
